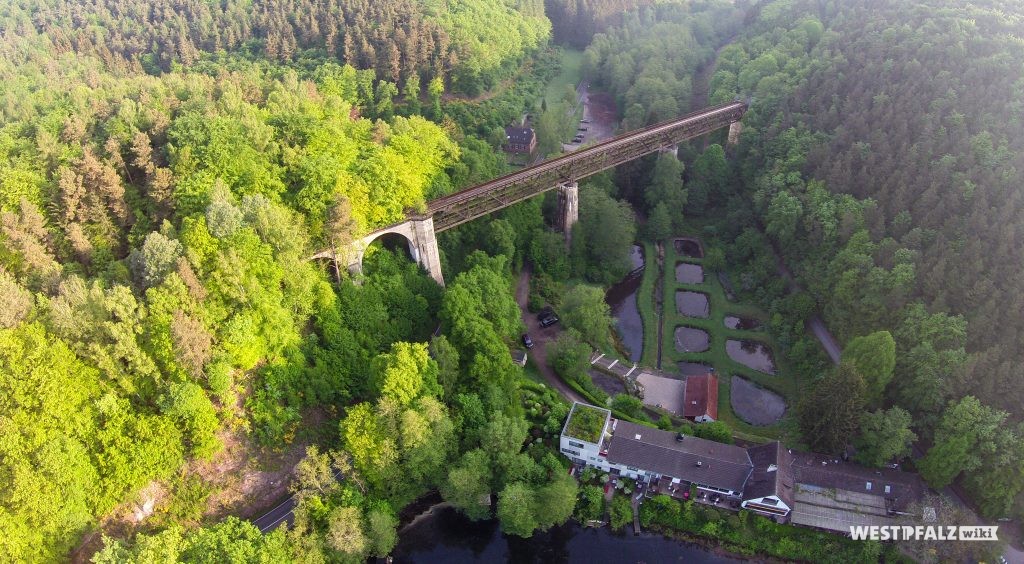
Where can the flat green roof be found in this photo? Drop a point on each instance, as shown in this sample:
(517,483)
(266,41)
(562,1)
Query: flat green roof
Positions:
(586,423)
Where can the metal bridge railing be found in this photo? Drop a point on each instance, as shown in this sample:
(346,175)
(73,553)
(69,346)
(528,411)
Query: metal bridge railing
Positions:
(471,203)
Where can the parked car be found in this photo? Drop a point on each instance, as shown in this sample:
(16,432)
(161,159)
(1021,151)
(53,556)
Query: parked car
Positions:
(527,341)
(549,320)
(584,121)
(582,129)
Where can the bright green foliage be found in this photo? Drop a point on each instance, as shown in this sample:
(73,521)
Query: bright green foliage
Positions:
(374,451)
(714,431)
(874,358)
(555,501)
(405,373)
(468,485)
(620,512)
(884,436)
(967,436)
(489,34)
(630,405)
(585,310)
(603,237)
(192,411)
(381,529)
(233,540)
(590,506)
(516,509)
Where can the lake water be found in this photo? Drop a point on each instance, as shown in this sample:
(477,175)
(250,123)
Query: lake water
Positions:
(621,299)
(689,248)
(687,273)
(742,323)
(689,339)
(448,537)
(751,354)
(692,304)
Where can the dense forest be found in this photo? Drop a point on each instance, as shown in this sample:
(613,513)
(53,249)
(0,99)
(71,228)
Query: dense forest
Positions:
(404,41)
(882,154)
(167,168)
(165,172)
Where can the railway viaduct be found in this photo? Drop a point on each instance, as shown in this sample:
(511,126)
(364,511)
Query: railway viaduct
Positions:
(561,173)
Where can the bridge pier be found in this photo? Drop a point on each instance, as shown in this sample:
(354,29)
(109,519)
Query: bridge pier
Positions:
(735,128)
(422,240)
(569,203)
(423,247)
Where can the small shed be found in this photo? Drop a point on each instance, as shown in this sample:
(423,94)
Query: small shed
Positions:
(519,357)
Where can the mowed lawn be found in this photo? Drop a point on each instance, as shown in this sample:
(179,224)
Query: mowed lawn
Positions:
(568,77)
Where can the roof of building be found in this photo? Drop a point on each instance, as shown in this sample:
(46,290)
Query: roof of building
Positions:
(586,423)
(701,396)
(721,465)
(904,487)
(772,475)
(518,356)
(521,135)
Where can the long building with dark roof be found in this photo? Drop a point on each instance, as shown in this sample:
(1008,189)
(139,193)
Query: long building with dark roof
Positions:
(812,490)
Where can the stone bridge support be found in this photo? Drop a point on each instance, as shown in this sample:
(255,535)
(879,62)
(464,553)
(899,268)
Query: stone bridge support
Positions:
(569,204)
(735,128)
(419,232)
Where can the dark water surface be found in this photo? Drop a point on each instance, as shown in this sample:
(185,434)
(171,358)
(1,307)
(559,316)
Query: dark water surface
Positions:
(687,273)
(621,299)
(751,354)
(610,384)
(689,339)
(742,323)
(448,537)
(689,248)
(754,404)
(692,304)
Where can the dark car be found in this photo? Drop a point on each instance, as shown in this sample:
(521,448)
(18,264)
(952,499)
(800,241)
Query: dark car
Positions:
(549,320)
(582,129)
(527,341)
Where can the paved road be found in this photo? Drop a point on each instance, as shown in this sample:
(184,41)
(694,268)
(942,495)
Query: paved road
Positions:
(281,513)
(541,337)
(272,519)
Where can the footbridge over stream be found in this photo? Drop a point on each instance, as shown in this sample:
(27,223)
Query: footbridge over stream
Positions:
(561,173)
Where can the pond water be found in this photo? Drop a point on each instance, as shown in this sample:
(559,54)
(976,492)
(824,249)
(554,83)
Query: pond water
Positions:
(751,354)
(693,368)
(687,273)
(447,536)
(692,304)
(610,384)
(742,323)
(689,248)
(621,299)
(755,404)
(690,339)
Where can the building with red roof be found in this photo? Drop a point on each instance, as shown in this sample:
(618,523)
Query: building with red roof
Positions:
(700,398)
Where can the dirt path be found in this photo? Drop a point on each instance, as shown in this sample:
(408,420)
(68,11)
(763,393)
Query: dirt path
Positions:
(541,337)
